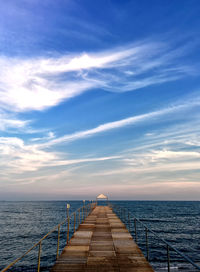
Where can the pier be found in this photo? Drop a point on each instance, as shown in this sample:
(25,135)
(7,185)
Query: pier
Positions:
(100,238)
(102,243)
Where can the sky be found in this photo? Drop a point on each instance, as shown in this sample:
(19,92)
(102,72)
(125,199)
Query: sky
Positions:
(100,97)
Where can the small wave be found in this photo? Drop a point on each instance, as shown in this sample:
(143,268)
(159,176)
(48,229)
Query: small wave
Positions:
(166,268)
(157,220)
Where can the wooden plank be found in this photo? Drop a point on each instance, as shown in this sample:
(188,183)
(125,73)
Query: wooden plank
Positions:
(102,243)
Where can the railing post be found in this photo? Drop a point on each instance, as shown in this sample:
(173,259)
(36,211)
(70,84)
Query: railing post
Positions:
(135,224)
(74,221)
(58,242)
(82,215)
(79,219)
(168,259)
(84,209)
(147,243)
(129,226)
(68,221)
(39,253)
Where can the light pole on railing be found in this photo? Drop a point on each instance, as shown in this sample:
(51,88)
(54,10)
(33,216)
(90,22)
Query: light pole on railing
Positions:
(68,206)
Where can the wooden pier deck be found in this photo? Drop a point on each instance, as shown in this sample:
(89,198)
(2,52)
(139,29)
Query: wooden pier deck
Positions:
(102,243)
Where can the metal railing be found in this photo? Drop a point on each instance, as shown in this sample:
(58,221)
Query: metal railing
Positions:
(125,216)
(78,216)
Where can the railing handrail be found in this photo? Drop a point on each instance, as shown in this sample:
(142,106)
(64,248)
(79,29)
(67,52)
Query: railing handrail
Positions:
(158,237)
(43,238)
(169,244)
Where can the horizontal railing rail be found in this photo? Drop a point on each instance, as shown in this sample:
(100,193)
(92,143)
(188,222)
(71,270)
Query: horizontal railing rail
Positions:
(124,214)
(78,216)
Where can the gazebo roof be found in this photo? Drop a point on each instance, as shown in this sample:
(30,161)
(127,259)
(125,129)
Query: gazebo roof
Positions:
(102,196)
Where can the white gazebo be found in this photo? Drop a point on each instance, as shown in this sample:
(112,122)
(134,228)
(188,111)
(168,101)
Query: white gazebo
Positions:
(102,197)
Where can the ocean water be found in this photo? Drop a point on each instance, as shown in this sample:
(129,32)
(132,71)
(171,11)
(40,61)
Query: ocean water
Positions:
(23,223)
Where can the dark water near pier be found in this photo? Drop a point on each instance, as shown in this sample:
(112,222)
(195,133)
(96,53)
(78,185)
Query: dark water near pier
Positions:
(24,223)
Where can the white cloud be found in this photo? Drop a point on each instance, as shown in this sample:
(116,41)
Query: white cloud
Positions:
(170,154)
(8,121)
(162,164)
(122,123)
(50,135)
(163,160)
(161,155)
(85,61)
(18,157)
(36,84)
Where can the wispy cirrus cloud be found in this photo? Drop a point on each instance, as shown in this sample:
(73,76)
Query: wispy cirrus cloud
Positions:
(8,121)
(40,83)
(19,157)
(123,123)
(163,154)
(50,135)
(155,166)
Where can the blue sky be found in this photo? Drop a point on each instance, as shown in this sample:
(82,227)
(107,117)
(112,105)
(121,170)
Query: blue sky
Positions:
(99,97)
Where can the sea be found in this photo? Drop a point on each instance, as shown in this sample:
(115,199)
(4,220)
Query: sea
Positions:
(23,223)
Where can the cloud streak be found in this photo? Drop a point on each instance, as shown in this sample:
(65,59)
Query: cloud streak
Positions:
(122,123)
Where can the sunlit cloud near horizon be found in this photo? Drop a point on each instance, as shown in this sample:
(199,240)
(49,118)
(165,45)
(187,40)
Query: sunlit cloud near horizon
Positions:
(103,108)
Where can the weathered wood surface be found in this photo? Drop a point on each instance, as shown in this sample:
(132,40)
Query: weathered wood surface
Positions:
(102,243)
